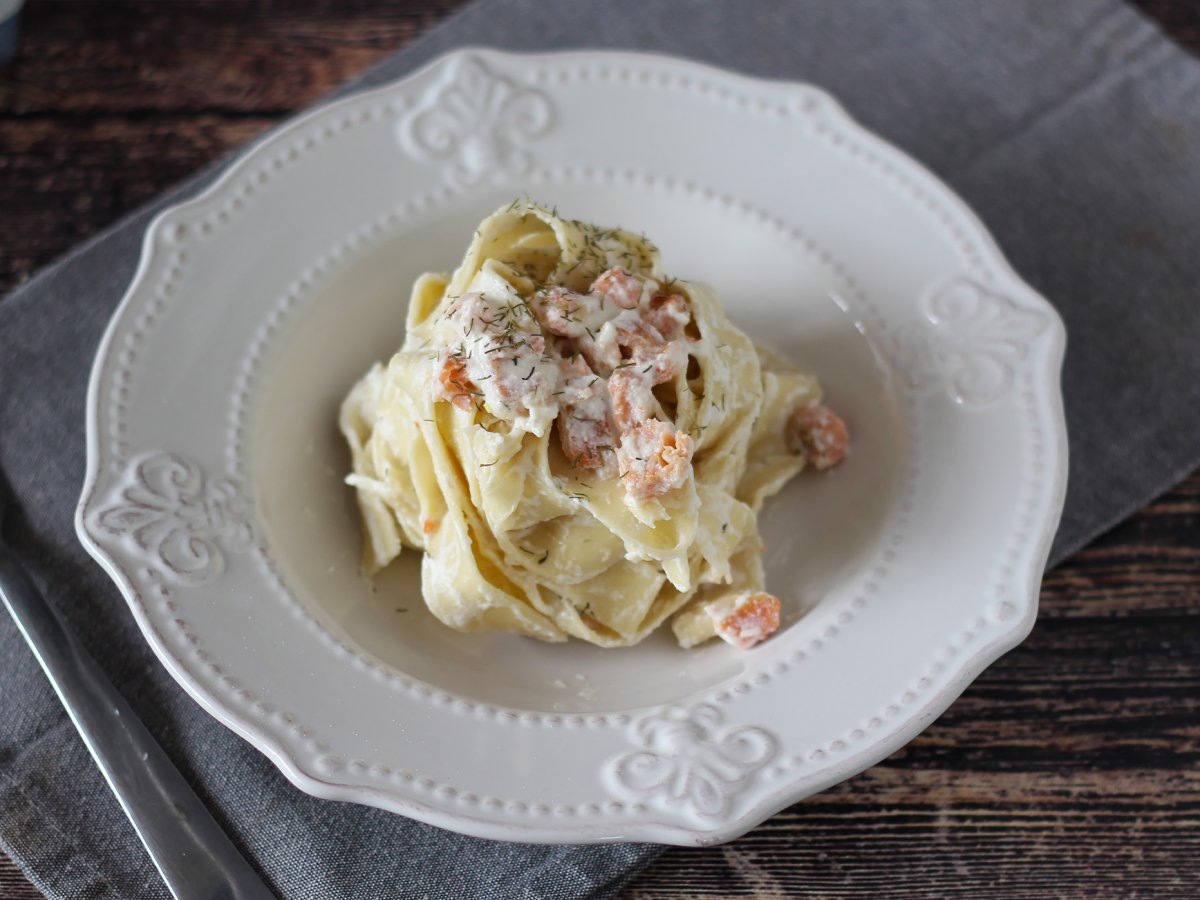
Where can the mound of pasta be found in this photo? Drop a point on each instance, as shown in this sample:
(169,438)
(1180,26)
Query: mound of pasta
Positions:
(578,444)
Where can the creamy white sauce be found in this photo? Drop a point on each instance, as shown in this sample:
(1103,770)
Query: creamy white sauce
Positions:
(588,361)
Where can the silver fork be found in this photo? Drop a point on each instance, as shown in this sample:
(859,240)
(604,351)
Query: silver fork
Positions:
(194,856)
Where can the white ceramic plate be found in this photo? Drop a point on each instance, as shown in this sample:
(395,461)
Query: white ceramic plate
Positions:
(214,491)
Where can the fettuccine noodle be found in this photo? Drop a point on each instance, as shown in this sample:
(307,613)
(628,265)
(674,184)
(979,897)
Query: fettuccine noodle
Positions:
(579,445)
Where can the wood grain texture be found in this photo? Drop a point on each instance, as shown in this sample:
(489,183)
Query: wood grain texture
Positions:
(1071,768)
(110,103)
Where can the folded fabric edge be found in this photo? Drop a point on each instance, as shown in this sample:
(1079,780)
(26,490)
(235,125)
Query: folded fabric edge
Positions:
(1146,20)
(1165,485)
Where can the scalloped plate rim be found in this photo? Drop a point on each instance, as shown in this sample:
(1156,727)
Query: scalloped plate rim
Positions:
(765,804)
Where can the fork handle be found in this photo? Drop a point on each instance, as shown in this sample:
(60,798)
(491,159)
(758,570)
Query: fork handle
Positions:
(195,857)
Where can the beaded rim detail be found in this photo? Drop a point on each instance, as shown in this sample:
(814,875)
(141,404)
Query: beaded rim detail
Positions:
(1009,608)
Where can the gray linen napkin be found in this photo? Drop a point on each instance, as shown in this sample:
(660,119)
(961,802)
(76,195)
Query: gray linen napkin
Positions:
(1073,128)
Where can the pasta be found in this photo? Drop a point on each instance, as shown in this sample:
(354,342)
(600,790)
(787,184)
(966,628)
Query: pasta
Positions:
(578,444)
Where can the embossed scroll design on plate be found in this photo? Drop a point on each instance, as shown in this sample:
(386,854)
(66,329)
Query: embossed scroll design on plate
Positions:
(183,523)
(971,341)
(479,122)
(688,761)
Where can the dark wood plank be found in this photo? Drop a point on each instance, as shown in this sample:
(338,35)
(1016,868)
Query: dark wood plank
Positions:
(64,179)
(82,58)
(13,885)
(1071,768)
(1178,18)
(110,103)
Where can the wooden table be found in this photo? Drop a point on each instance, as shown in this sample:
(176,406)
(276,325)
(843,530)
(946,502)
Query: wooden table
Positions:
(1070,768)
